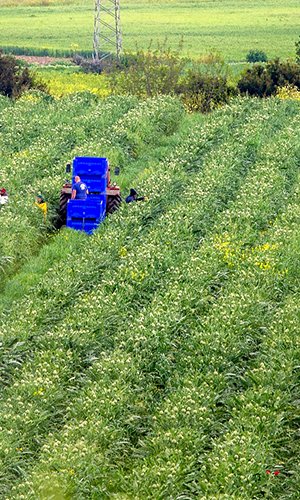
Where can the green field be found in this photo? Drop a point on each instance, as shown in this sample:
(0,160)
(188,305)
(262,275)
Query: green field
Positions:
(158,358)
(230,26)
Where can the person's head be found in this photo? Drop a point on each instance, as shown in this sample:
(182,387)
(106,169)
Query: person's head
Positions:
(133,193)
(40,198)
(3,192)
(77,178)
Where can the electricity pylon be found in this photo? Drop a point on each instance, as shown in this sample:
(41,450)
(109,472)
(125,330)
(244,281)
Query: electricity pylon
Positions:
(107,29)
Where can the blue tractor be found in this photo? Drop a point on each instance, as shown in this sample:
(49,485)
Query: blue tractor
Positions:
(103,197)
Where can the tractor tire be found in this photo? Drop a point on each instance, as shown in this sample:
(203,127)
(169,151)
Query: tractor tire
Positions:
(62,213)
(113,203)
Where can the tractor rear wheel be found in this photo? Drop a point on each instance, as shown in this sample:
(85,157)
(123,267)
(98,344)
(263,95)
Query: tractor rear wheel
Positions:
(62,213)
(113,203)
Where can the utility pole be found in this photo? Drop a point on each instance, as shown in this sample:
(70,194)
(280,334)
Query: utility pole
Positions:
(107,29)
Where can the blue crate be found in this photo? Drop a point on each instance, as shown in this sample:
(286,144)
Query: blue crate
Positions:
(89,166)
(93,172)
(96,187)
(86,215)
(87,227)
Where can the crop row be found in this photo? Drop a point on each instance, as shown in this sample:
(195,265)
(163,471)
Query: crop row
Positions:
(208,360)
(133,357)
(64,129)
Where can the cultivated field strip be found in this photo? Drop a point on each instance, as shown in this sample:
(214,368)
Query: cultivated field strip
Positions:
(47,27)
(162,225)
(14,354)
(198,145)
(17,329)
(120,445)
(38,302)
(41,166)
(140,369)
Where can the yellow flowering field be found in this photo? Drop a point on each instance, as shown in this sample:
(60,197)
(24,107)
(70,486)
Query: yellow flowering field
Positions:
(63,81)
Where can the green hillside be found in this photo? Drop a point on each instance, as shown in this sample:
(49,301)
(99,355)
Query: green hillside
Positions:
(231,26)
(158,358)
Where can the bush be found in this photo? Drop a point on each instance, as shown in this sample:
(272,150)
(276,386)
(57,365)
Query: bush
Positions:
(149,73)
(203,87)
(213,64)
(14,78)
(89,65)
(298,51)
(264,80)
(289,92)
(203,93)
(256,56)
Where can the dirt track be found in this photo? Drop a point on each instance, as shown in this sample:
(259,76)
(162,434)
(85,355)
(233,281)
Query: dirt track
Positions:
(42,60)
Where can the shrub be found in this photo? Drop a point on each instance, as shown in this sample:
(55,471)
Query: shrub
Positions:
(149,73)
(256,56)
(203,93)
(15,79)
(93,66)
(298,51)
(288,92)
(264,80)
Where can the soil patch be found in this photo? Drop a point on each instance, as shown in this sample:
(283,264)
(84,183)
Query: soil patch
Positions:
(43,60)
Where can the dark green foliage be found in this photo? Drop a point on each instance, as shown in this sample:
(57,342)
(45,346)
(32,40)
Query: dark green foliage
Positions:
(203,93)
(298,51)
(90,65)
(264,80)
(14,78)
(149,73)
(256,56)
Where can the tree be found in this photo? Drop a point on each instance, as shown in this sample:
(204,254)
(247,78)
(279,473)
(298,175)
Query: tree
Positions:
(14,78)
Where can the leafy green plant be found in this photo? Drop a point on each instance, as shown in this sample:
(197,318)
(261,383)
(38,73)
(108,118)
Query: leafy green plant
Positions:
(15,78)
(254,56)
(150,73)
(264,80)
(204,93)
